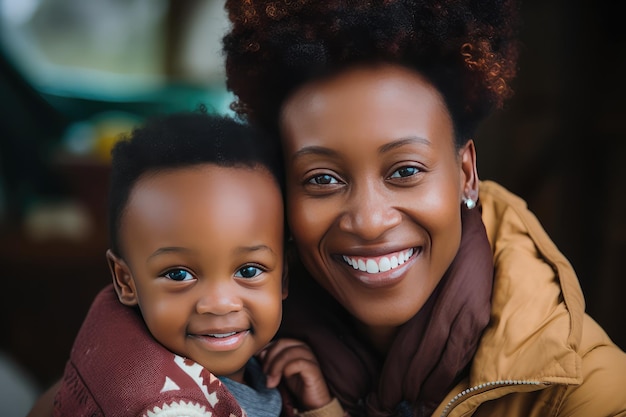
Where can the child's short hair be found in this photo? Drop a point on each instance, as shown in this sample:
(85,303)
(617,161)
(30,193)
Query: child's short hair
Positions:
(181,140)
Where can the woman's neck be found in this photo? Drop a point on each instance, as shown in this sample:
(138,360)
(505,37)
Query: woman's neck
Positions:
(379,337)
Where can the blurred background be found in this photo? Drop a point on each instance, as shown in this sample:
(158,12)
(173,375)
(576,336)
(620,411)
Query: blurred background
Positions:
(74,74)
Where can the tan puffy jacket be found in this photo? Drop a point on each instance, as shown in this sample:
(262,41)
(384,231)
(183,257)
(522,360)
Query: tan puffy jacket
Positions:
(541,355)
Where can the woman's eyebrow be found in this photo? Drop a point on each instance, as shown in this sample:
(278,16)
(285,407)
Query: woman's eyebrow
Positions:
(322,151)
(402,142)
(313,150)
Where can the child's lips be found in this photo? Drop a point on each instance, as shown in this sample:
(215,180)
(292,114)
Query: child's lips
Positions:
(221,335)
(221,340)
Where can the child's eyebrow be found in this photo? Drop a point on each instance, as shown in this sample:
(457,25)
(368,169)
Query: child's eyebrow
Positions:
(248,249)
(241,249)
(169,249)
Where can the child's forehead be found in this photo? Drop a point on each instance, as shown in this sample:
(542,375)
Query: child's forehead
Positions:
(238,204)
(225,190)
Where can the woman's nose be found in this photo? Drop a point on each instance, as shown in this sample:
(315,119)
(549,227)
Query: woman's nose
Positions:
(369,213)
(219,297)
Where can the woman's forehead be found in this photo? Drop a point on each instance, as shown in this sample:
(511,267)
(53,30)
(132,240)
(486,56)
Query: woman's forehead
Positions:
(362,105)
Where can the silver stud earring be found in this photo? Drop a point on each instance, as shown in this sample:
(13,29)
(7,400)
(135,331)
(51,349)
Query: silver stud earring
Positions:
(469,203)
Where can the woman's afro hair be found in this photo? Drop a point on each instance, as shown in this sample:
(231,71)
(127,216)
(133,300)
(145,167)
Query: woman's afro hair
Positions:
(467,49)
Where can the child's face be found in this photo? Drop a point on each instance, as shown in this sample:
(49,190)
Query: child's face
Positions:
(203,259)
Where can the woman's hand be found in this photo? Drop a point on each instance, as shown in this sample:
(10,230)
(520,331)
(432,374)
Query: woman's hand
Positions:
(293,361)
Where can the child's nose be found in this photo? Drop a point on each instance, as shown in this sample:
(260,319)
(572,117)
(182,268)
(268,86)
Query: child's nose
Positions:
(219,298)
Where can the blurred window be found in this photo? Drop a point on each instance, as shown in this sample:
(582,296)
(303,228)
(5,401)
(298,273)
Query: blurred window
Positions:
(115,50)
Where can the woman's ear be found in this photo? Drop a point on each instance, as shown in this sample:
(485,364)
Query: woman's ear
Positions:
(122,280)
(469,172)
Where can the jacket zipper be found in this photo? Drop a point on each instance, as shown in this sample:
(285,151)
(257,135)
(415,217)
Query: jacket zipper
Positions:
(482,387)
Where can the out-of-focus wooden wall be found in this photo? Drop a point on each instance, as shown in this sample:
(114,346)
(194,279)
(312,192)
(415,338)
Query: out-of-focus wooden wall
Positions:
(561,143)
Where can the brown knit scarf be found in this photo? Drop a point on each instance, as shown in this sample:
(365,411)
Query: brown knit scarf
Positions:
(431,351)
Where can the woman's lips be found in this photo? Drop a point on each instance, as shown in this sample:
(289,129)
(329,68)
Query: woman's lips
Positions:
(374,265)
(381,271)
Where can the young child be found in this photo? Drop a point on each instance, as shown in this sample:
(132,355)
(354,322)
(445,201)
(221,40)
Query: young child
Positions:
(197,231)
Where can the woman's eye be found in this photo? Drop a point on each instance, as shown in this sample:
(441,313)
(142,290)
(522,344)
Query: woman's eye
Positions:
(178,275)
(248,272)
(323,179)
(405,172)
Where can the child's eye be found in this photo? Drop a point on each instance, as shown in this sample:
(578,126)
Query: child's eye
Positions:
(178,275)
(322,179)
(248,272)
(404,172)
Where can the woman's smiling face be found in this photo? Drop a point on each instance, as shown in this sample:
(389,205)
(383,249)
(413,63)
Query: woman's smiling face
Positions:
(374,187)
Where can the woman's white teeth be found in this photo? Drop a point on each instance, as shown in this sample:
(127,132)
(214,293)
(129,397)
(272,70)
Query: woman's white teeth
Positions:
(382,264)
(220,335)
(371,266)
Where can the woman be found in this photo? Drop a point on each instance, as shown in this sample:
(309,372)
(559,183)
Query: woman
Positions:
(424,290)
